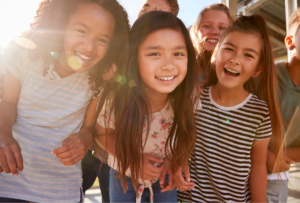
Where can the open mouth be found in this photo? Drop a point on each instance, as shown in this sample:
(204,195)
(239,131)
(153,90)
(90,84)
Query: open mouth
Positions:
(231,73)
(212,40)
(82,58)
(166,78)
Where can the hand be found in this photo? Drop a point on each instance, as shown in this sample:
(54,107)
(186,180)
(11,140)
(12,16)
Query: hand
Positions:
(166,170)
(181,183)
(1,85)
(149,170)
(283,165)
(74,148)
(108,75)
(11,160)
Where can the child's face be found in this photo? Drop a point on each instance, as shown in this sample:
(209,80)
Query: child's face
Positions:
(154,5)
(88,35)
(162,61)
(213,24)
(238,59)
(293,41)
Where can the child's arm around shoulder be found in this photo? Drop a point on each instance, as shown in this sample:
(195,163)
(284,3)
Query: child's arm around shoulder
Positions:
(258,174)
(75,146)
(10,153)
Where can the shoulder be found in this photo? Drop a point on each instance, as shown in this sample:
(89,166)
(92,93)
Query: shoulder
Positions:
(257,106)
(14,51)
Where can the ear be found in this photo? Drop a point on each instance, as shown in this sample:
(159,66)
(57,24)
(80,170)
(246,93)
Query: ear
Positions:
(257,72)
(214,57)
(289,42)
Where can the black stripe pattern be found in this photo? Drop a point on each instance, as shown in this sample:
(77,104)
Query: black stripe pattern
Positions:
(220,163)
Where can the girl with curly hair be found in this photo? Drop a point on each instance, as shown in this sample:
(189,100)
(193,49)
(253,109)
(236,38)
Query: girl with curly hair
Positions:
(53,74)
(145,121)
(159,5)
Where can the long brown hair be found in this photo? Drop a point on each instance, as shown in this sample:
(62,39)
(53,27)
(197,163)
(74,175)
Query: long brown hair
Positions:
(266,84)
(132,106)
(203,57)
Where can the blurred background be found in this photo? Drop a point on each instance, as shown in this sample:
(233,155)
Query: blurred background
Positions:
(16,16)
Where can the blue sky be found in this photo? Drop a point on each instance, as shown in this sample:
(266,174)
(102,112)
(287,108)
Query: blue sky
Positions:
(188,9)
(16,15)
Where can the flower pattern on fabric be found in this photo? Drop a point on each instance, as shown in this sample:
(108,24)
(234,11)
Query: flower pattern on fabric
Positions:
(160,125)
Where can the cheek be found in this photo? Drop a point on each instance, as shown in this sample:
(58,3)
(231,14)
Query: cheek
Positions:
(202,33)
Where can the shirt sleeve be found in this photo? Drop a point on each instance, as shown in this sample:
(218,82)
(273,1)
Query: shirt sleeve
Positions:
(106,115)
(15,58)
(264,129)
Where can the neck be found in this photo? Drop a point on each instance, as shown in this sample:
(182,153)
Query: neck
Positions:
(228,97)
(63,69)
(294,70)
(157,100)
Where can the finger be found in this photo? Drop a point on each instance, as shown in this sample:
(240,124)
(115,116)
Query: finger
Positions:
(71,152)
(18,157)
(11,162)
(186,172)
(162,176)
(3,162)
(1,170)
(68,139)
(71,160)
(68,144)
(289,160)
(170,186)
(115,68)
(153,158)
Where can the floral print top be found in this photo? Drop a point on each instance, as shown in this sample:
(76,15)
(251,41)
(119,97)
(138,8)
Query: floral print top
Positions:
(160,125)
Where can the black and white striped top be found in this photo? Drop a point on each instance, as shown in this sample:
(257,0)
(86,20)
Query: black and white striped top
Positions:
(220,164)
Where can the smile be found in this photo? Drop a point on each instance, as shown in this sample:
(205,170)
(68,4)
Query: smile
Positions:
(212,40)
(166,78)
(231,72)
(82,58)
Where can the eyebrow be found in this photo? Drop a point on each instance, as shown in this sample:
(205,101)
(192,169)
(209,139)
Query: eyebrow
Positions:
(159,47)
(146,5)
(84,25)
(247,49)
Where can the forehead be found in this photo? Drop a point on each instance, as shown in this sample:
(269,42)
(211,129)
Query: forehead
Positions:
(244,40)
(156,3)
(215,16)
(94,17)
(164,38)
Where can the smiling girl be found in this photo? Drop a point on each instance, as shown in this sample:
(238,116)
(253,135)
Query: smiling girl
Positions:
(152,113)
(47,91)
(234,126)
(206,32)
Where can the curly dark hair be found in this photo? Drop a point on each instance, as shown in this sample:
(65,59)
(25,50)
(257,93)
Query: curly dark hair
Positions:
(47,31)
(174,6)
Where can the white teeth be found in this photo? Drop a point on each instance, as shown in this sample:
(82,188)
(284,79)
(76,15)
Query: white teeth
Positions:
(213,40)
(232,71)
(83,56)
(166,78)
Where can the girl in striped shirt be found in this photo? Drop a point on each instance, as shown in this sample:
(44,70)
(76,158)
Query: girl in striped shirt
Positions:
(228,163)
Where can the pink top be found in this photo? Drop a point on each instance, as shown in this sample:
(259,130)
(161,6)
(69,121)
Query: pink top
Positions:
(161,124)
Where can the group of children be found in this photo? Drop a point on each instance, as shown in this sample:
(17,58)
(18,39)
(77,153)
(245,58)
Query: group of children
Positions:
(91,80)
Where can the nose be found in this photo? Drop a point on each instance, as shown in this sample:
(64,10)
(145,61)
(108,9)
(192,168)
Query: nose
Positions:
(214,31)
(168,64)
(89,44)
(235,60)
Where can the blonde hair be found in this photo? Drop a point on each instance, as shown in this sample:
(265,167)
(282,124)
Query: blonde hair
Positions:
(294,19)
(202,61)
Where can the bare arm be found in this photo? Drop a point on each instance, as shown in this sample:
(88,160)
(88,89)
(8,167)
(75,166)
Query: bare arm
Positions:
(293,153)
(75,146)
(106,139)
(1,85)
(258,174)
(10,153)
